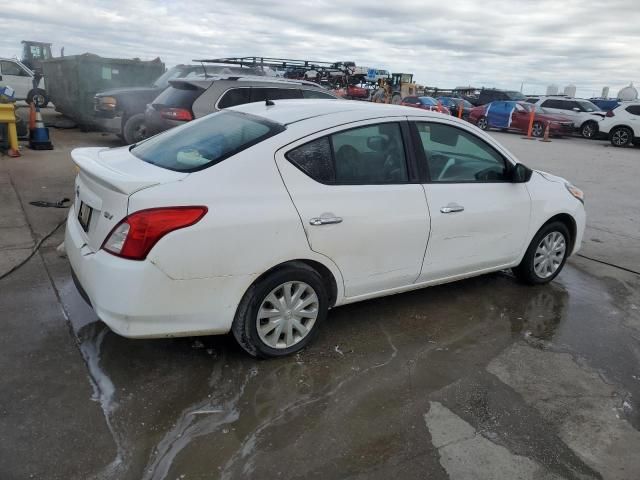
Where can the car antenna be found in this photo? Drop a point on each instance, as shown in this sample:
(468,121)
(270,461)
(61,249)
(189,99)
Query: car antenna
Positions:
(267,102)
(206,75)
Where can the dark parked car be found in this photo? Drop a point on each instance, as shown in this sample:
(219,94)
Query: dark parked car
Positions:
(121,110)
(488,95)
(187,99)
(453,103)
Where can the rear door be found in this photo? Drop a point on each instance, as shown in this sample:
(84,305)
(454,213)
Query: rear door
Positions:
(479,218)
(360,204)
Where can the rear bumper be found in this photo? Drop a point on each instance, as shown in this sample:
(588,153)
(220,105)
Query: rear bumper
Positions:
(138,300)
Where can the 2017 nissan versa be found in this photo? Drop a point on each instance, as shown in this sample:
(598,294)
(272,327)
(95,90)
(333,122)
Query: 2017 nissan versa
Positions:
(260,218)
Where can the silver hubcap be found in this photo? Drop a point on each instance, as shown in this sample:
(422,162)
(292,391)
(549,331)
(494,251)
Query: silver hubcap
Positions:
(287,314)
(549,254)
(536,130)
(588,130)
(620,137)
(482,123)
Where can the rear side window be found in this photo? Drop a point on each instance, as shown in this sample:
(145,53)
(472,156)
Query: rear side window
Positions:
(205,142)
(316,94)
(633,109)
(360,156)
(180,95)
(260,94)
(234,96)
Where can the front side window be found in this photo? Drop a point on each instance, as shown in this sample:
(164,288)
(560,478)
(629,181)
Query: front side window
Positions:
(366,155)
(10,68)
(206,141)
(455,155)
(235,96)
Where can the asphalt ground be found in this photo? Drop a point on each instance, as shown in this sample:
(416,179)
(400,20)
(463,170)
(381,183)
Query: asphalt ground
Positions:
(482,379)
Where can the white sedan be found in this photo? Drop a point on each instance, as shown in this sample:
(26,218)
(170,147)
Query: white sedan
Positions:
(259,219)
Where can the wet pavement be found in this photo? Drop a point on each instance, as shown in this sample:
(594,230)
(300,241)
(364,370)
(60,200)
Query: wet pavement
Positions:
(484,378)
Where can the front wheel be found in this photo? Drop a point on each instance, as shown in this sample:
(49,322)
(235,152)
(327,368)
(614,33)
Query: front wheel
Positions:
(546,255)
(280,314)
(621,136)
(134,129)
(39,97)
(589,129)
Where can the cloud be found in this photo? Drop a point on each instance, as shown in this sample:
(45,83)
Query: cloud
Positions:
(491,43)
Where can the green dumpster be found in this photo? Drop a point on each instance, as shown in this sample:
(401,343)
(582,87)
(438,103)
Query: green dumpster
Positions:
(73,81)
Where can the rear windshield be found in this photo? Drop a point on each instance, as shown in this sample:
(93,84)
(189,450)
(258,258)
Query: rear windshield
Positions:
(206,141)
(180,95)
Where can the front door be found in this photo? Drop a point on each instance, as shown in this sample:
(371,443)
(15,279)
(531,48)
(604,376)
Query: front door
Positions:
(15,77)
(354,193)
(479,218)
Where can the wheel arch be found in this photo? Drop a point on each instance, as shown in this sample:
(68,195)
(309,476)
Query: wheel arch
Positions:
(569,222)
(328,278)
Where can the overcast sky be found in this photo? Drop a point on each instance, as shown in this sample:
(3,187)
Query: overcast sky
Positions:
(444,43)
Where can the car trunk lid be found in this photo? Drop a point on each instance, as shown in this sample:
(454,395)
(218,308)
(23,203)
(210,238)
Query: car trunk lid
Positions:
(105,181)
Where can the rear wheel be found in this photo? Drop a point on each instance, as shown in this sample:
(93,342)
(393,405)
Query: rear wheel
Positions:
(545,256)
(589,129)
(482,123)
(621,136)
(280,313)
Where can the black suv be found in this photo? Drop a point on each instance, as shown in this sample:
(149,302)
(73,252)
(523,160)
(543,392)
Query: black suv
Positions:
(488,95)
(121,110)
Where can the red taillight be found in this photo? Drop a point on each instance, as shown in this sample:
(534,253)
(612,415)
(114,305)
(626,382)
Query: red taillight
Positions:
(181,114)
(135,235)
(610,114)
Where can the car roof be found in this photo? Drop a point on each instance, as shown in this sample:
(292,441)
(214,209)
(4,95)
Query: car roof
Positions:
(286,112)
(206,82)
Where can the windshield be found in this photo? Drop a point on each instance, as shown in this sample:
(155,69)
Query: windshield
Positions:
(428,101)
(163,80)
(205,142)
(587,106)
(513,95)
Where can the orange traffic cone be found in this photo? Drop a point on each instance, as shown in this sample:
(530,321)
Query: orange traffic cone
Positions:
(546,134)
(32,116)
(39,136)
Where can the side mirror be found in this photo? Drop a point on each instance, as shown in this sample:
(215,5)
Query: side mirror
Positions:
(575,109)
(520,173)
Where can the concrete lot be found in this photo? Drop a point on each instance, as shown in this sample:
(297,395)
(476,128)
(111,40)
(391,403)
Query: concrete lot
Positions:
(482,379)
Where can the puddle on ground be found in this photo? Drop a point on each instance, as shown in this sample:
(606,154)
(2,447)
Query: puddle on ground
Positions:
(353,402)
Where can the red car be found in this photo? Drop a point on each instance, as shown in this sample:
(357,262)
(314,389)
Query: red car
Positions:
(425,103)
(516,116)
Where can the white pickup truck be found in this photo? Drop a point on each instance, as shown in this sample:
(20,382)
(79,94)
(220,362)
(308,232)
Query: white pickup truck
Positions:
(20,77)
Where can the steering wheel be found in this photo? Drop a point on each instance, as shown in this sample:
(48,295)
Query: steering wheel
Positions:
(488,174)
(443,160)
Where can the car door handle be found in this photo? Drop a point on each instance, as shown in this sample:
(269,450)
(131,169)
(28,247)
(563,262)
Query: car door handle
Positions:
(452,208)
(325,220)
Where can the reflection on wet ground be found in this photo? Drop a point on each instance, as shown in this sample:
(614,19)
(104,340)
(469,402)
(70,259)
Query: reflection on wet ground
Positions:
(353,404)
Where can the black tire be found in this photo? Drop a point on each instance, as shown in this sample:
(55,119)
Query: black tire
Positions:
(245,328)
(525,272)
(134,129)
(40,96)
(621,137)
(537,130)
(482,123)
(589,129)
